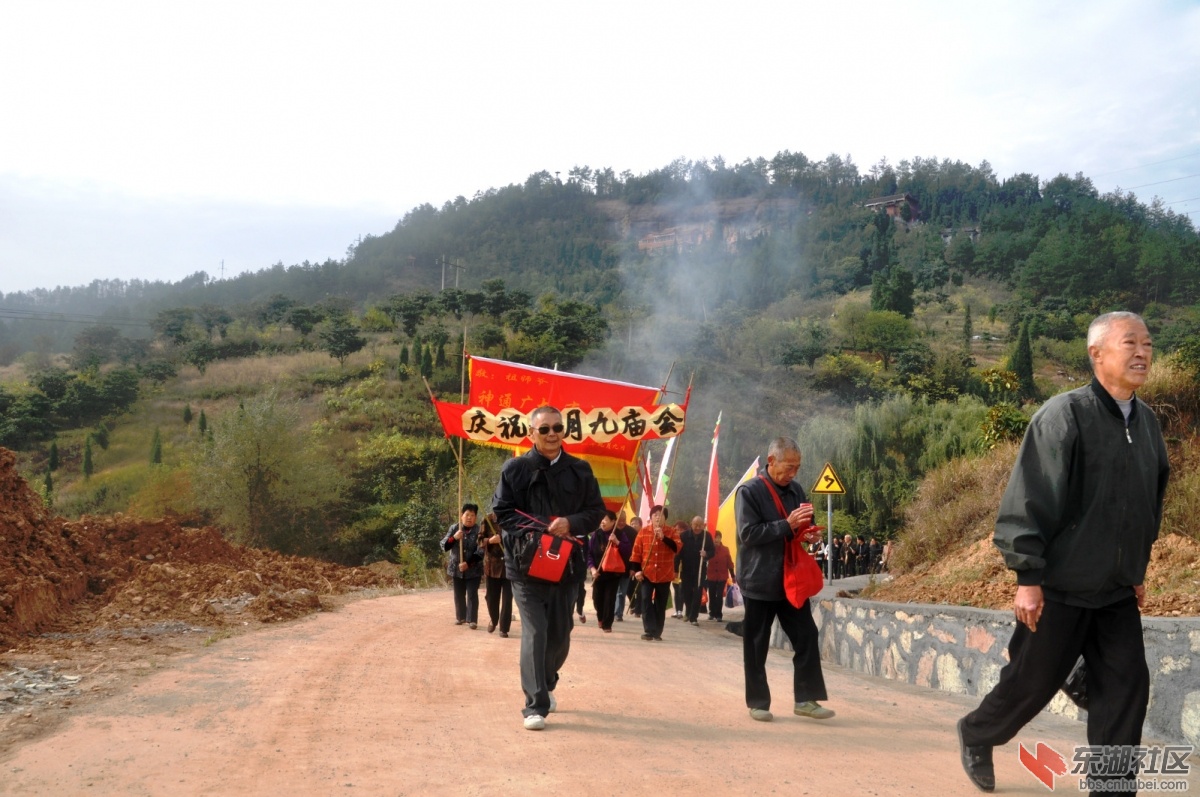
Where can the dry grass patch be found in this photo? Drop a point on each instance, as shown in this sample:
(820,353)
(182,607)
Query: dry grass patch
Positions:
(955,505)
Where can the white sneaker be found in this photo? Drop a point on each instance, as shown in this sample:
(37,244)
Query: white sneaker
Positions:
(553,703)
(534,722)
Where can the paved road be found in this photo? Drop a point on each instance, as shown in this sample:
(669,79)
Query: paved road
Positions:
(389,697)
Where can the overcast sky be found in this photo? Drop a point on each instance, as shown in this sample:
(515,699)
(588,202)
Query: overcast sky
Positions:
(155,139)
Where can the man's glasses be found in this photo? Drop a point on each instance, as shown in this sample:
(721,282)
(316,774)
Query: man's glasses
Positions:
(557,428)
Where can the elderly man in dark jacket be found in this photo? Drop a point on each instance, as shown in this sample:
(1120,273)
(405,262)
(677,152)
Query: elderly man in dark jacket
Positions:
(549,488)
(771,511)
(1076,523)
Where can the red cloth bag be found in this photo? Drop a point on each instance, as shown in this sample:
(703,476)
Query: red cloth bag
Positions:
(612,562)
(550,559)
(802,576)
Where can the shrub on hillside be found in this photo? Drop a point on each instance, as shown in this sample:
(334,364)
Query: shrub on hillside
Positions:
(955,505)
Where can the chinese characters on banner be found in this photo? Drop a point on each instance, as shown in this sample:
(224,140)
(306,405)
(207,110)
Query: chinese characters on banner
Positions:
(599,425)
(606,420)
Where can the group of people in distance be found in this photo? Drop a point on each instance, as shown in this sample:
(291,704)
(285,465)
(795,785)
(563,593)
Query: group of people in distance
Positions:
(628,564)
(557,494)
(1080,513)
(853,556)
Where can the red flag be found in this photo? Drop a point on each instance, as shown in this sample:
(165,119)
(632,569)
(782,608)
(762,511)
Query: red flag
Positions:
(713,503)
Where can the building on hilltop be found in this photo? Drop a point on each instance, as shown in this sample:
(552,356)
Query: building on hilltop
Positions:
(893,205)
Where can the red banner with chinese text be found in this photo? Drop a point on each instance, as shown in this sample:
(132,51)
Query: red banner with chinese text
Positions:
(498,385)
(605,420)
(594,432)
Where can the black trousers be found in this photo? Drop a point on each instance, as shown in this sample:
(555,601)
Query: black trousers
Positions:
(605,589)
(691,595)
(808,682)
(716,598)
(579,598)
(654,606)
(499,602)
(466,599)
(1118,680)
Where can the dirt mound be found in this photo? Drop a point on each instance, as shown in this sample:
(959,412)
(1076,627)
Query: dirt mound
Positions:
(121,572)
(975,575)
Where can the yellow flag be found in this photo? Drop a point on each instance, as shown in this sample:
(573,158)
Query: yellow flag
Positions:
(726,518)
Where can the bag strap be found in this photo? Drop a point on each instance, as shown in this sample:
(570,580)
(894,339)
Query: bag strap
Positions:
(774,496)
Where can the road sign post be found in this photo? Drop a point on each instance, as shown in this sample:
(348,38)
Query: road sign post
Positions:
(829,485)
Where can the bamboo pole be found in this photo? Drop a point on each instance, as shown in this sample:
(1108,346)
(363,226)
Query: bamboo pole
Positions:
(462,397)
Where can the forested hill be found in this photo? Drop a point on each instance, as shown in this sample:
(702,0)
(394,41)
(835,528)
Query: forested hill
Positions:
(694,236)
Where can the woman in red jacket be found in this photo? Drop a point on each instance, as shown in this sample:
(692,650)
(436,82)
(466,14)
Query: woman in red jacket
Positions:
(653,566)
(720,568)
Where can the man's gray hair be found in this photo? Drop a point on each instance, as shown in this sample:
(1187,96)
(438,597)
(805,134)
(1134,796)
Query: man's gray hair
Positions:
(781,445)
(1100,326)
(542,410)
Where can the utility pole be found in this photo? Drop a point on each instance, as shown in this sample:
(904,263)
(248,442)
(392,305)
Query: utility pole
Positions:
(458,269)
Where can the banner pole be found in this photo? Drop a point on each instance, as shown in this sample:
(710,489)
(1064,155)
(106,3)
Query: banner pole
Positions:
(462,397)
(457,454)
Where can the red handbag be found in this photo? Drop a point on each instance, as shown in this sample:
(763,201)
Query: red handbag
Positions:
(802,576)
(612,562)
(550,559)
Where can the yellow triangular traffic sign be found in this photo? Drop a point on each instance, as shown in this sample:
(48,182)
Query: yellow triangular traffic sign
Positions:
(828,483)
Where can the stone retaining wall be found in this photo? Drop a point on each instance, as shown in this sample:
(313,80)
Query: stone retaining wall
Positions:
(962,649)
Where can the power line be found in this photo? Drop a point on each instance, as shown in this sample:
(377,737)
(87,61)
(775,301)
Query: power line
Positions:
(1177,201)
(1160,182)
(1146,165)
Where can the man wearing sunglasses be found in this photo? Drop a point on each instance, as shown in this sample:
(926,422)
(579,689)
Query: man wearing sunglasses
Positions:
(545,489)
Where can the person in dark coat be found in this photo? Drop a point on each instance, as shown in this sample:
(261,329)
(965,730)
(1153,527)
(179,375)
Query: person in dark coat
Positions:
(465,566)
(498,593)
(771,511)
(557,493)
(693,559)
(607,583)
(1079,515)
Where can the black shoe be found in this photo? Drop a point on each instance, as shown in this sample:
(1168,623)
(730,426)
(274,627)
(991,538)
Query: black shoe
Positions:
(694,622)
(491,627)
(977,762)
(648,637)
(504,635)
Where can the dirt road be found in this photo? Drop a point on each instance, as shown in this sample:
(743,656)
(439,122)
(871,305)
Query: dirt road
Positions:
(389,697)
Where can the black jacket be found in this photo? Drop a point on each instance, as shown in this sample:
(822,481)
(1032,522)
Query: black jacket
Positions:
(1084,502)
(761,534)
(688,560)
(473,554)
(530,484)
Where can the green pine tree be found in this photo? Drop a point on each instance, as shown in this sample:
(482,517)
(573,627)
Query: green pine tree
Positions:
(187,414)
(968,330)
(53,464)
(404,355)
(440,360)
(156,449)
(87,458)
(1021,363)
(202,424)
(427,364)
